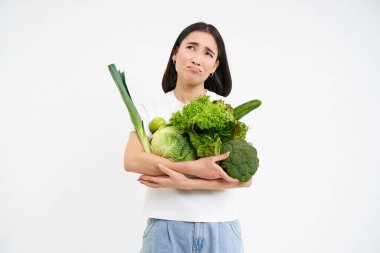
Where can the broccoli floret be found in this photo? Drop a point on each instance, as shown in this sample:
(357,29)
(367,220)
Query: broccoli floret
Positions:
(242,163)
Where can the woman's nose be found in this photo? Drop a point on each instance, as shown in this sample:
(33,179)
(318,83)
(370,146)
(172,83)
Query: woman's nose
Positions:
(196,59)
(195,62)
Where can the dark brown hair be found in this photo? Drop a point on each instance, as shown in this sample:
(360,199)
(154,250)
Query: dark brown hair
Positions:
(220,82)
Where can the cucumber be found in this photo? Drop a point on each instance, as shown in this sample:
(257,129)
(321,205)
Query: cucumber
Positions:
(245,108)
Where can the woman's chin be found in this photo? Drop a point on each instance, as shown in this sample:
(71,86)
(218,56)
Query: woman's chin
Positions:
(194,81)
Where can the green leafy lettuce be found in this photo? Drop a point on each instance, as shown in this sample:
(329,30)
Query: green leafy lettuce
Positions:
(208,124)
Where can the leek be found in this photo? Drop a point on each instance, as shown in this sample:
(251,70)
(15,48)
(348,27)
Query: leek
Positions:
(119,79)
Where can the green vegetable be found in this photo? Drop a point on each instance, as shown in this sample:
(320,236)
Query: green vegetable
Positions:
(203,115)
(242,163)
(245,108)
(206,144)
(119,79)
(156,124)
(238,132)
(169,143)
(208,124)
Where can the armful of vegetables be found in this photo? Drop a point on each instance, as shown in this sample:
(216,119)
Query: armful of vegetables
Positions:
(214,127)
(202,128)
(207,128)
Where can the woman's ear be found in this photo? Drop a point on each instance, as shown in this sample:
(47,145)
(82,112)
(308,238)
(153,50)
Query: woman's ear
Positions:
(215,66)
(174,56)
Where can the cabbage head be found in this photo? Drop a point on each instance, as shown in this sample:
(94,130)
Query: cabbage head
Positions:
(168,142)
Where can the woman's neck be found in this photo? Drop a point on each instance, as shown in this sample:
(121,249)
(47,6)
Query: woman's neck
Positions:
(186,94)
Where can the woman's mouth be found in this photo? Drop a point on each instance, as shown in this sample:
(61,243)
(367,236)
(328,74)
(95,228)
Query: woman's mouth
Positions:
(194,69)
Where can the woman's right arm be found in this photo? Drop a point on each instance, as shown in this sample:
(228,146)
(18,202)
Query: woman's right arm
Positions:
(138,161)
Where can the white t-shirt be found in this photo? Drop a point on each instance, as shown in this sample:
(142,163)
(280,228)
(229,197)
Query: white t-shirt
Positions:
(184,205)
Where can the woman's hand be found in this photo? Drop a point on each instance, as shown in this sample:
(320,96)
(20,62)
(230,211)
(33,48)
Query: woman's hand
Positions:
(172,180)
(208,168)
(177,180)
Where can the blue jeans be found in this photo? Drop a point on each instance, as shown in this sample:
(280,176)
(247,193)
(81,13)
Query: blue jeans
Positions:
(167,236)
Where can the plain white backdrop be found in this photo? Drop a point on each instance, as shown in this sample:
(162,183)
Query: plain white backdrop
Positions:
(314,64)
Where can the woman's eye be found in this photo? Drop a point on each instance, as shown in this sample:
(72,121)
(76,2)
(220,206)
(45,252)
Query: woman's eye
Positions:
(209,54)
(191,47)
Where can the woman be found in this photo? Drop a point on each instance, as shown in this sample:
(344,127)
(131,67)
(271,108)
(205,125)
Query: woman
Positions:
(188,214)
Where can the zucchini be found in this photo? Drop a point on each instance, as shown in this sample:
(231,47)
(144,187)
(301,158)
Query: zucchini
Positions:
(245,108)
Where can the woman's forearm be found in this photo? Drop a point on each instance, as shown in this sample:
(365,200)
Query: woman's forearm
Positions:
(138,161)
(145,163)
(173,179)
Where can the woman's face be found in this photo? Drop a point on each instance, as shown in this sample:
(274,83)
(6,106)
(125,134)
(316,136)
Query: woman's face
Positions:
(196,58)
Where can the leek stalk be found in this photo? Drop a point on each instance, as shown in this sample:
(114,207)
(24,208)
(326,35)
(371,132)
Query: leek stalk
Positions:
(119,79)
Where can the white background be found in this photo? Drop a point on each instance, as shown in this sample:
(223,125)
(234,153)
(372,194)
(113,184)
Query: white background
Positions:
(314,64)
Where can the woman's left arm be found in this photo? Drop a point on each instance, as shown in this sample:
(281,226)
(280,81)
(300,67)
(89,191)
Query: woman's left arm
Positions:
(177,180)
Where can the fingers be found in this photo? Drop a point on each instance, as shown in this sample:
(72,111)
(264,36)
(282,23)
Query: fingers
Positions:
(221,156)
(149,178)
(158,181)
(149,184)
(167,171)
(223,174)
(154,182)
(226,177)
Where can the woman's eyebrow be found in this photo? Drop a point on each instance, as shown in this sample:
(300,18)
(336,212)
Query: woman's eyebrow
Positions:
(197,44)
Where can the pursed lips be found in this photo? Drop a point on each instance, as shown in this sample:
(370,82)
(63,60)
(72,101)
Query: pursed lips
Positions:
(194,69)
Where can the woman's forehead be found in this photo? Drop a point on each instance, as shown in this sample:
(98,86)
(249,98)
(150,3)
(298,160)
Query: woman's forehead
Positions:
(203,39)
